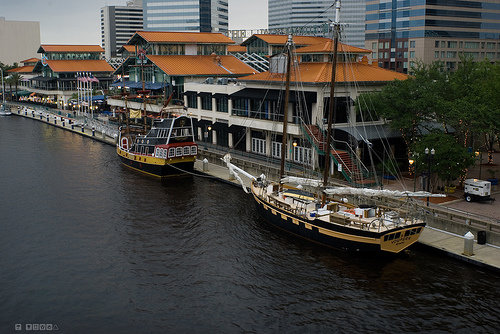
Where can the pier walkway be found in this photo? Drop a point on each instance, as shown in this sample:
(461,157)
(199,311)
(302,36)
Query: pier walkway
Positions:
(452,244)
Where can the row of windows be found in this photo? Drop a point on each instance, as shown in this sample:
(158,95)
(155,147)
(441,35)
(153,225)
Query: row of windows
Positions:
(466,45)
(433,33)
(176,152)
(71,56)
(474,55)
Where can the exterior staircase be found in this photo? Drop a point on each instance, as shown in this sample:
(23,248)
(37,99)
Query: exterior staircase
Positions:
(350,168)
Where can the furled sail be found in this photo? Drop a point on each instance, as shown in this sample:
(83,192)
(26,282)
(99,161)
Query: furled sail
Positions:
(379,192)
(302,181)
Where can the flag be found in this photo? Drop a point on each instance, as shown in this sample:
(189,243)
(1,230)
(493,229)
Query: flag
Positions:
(135,113)
(94,79)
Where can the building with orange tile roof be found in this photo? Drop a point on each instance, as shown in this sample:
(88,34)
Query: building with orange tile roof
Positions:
(172,59)
(236,49)
(241,115)
(267,44)
(60,65)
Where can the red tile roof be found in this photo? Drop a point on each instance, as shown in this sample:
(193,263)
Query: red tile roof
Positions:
(236,48)
(30,60)
(321,73)
(282,39)
(184,37)
(327,47)
(201,65)
(70,48)
(22,69)
(79,66)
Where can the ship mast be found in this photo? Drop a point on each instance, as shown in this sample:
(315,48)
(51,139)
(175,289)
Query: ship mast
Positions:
(336,32)
(285,108)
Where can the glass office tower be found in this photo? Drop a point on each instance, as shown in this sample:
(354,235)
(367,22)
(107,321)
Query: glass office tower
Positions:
(186,15)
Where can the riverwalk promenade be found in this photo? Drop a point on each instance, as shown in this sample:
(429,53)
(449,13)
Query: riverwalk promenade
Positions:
(444,240)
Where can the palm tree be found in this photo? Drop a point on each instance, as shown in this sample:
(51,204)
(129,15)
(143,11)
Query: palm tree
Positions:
(16,80)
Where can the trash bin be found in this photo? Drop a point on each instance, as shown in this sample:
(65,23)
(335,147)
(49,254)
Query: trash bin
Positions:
(481,237)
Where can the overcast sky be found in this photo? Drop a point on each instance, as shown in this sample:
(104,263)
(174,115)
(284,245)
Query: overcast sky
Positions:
(78,21)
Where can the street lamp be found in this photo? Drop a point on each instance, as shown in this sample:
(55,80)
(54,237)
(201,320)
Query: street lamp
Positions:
(429,159)
(479,156)
(412,170)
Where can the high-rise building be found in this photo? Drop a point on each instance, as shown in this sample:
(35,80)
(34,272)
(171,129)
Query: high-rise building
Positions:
(186,15)
(19,40)
(401,32)
(314,17)
(118,24)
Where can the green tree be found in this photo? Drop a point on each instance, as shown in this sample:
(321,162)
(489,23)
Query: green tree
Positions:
(450,161)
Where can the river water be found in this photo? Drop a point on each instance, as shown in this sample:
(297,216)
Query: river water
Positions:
(89,246)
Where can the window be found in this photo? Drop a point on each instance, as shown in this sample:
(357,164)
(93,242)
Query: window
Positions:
(451,54)
(178,151)
(412,44)
(412,54)
(276,149)
(387,45)
(436,44)
(206,102)
(187,150)
(405,54)
(490,45)
(221,104)
(259,146)
(460,44)
(452,44)
(374,45)
(443,44)
(490,55)
(171,152)
(436,54)
(374,55)
(381,45)
(471,45)
(302,155)
(381,55)
(443,54)
(400,45)
(192,101)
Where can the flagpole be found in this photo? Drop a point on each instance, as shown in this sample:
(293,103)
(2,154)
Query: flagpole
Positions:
(78,93)
(90,101)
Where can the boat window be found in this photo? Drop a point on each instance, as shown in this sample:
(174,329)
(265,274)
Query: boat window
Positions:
(419,229)
(397,235)
(164,153)
(171,152)
(178,151)
(194,150)
(407,233)
(147,150)
(187,150)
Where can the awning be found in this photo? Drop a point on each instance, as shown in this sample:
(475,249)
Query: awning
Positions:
(95,98)
(138,85)
(369,132)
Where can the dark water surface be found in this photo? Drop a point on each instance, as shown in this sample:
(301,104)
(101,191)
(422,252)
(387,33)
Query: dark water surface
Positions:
(92,247)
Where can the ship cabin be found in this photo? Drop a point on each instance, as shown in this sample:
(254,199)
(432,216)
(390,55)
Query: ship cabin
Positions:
(168,138)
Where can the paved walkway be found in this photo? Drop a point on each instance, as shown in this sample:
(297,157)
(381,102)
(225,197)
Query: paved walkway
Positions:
(451,244)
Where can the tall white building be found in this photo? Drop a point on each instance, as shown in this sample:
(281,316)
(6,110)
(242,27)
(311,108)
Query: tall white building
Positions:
(118,24)
(186,15)
(314,16)
(19,40)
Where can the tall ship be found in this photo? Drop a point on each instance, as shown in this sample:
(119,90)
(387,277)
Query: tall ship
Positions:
(314,210)
(160,147)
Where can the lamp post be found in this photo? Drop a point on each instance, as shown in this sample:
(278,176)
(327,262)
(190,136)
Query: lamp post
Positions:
(412,169)
(479,156)
(294,144)
(429,159)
